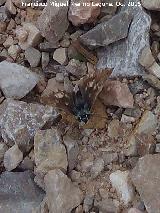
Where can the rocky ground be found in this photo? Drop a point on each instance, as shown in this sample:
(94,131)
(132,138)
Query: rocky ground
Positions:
(47,164)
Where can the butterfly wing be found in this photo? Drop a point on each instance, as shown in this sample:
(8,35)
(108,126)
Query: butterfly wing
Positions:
(93,84)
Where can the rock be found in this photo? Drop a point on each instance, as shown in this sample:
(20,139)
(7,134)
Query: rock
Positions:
(134,210)
(42,208)
(53,22)
(15,80)
(69,196)
(13,51)
(10,7)
(109,157)
(114,128)
(19,121)
(76,68)
(151,5)
(33,56)
(60,77)
(97,167)
(3,149)
(122,183)
(146,178)
(152,80)
(2,2)
(26,164)
(49,151)
(19,193)
(108,32)
(52,87)
(106,205)
(60,55)
(3,26)
(3,14)
(81,12)
(32,39)
(22,34)
(45,59)
(127,119)
(12,158)
(120,55)
(117,94)
(72,152)
(8,42)
(157,149)
(88,203)
(147,60)
(48,47)
(147,123)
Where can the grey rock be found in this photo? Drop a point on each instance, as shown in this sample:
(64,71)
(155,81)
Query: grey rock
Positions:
(12,158)
(3,14)
(2,2)
(19,121)
(49,151)
(48,47)
(146,178)
(97,167)
(72,152)
(33,56)
(18,192)
(121,55)
(3,149)
(106,205)
(87,203)
(108,32)
(76,68)
(45,59)
(109,157)
(151,5)
(152,80)
(60,55)
(62,194)
(15,80)
(53,22)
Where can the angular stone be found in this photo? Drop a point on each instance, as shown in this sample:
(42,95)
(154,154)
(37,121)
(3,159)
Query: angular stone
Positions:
(108,32)
(121,55)
(72,152)
(58,185)
(13,51)
(109,157)
(117,94)
(146,178)
(76,68)
(8,42)
(10,7)
(33,56)
(34,37)
(18,192)
(3,149)
(60,55)
(12,158)
(134,210)
(19,121)
(122,183)
(3,14)
(80,14)
(106,205)
(151,5)
(45,59)
(15,80)
(152,80)
(53,22)
(49,151)
(97,167)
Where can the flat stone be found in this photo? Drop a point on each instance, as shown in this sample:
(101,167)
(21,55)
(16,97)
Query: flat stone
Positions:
(62,194)
(108,32)
(80,14)
(53,22)
(121,56)
(122,183)
(60,55)
(15,80)
(49,151)
(19,193)
(117,94)
(33,56)
(146,178)
(12,158)
(151,5)
(72,152)
(19,121)
(33,38)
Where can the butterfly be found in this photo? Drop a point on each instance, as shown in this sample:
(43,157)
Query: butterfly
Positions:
(79,102)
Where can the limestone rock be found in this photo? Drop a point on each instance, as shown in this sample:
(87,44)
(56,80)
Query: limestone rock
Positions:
(49,151)
(19,121)
(80,14)
(121,56)
(62,195)
(12,158)
(117,94)
(15,80)
(18,192)
(122,183)
(146,178)
(53,22)
(33,56)
(108,32)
